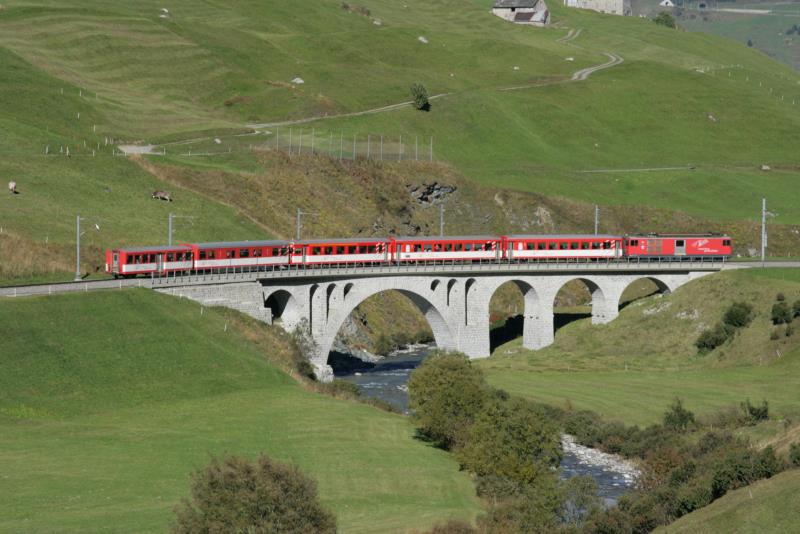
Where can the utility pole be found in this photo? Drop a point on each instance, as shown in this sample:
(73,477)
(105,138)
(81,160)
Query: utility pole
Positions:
(297,230)
(596,218)
(169,230)
(78,248)
(763,231)
(441,219)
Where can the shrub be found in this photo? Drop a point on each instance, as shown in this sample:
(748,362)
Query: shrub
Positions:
(713,338)
(794,454)
(775,334)
(420,96)
(738,315)
(678,417)
(534,510)
(511,439)
(237,495)
(789,332)
(780,297)
(452,527)
(796,308)
(580,497)
(665,19)
(446,392)
(752,414)
(781,314)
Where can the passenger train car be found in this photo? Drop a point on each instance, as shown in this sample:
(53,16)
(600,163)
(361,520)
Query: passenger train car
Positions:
(282,254)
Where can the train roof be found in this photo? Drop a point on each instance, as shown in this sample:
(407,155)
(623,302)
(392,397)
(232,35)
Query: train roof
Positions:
(334,240)
(238,244)
(154,249)
(446,238)
(656,235)
(564,236)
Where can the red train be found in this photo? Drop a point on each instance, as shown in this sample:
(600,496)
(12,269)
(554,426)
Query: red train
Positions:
(206,257)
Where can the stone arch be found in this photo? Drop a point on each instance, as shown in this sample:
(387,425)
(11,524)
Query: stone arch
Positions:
(467,286)
(284,307)
(328,298)
(435,316)
(435,284)
(531,315)
(600,305)
(347,289)
(662,286)
(450,284)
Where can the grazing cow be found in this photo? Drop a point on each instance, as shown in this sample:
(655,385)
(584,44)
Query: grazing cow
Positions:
(12,187)
(162,195)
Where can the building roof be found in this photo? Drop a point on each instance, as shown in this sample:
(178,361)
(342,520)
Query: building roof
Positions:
(508,4)
(523,16)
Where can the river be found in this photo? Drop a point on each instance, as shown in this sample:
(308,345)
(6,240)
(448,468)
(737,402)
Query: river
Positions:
(388,378)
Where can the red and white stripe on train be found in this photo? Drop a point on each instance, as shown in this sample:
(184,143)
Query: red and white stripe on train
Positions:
(202,257)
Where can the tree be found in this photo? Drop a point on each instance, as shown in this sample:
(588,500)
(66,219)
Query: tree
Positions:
(420,95)
(580,500)
(445,393)
(511,439)
(750,43)
(237,495)
(738,315)
(678,417)
(665,19)
(781,314)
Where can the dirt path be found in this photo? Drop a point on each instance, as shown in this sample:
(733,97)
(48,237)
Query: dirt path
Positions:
(572,34)
(577,76)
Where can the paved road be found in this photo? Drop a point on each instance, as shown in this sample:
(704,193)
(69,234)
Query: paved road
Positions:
(437,270)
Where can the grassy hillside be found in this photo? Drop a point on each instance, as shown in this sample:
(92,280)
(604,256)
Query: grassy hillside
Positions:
(770,505)
(90,75)
(108,401)
(633,367)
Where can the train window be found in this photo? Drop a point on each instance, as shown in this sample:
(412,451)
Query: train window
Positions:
(563,245)
(427,248)
(211,254)
(584,246)
(437,247)
(468,247)
(328,250)
(448,247)
(170,257)
(574,245)
(595,245)
(606,244)
(541,245)
(478,246)
(726,242)
(244,253)
(228,253)
(531,246)
(680,243)
(459,247)
(202,254)
(551,246)
(417,247)
(489,246)
(634,242)
(258,252)
(372,249)
(340,250)
(129,260)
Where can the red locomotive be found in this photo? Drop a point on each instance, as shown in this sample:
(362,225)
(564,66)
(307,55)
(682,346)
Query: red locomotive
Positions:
(278,254)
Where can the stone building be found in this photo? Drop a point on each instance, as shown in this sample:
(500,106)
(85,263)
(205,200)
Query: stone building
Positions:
(531,12)
(613,7)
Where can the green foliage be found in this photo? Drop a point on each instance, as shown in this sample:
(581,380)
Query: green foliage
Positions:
(581,500)
(742,467)
(420,96)
(712,338)
(781,313)
(753,414)
(794,454)
(265,496)
(511,439)
(796,308)
(445,393)
(665,19)
(738,315)
(533,508)
(678,417)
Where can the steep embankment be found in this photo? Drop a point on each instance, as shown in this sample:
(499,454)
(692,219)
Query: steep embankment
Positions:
(633,367)
(771,505)
(108,401)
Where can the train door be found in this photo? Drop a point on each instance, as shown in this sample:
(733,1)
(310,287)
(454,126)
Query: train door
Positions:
(680,247)
(115,263)
(160,263)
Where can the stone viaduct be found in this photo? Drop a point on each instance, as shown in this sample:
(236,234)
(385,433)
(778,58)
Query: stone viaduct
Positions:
(454,300)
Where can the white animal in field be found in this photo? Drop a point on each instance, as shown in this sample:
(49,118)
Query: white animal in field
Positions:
(162,195)
(12,187)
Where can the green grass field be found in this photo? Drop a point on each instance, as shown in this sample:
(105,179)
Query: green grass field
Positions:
(108,401)
(770,505)
(632,368)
